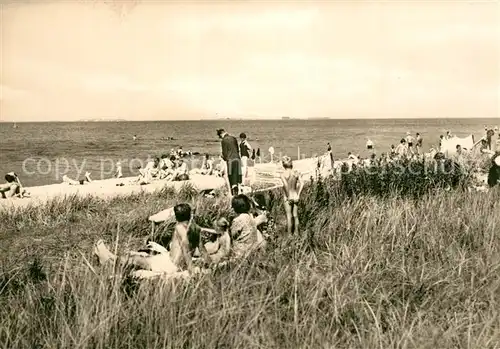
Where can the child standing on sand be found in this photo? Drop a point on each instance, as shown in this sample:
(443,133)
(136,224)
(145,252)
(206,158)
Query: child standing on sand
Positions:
(292,187)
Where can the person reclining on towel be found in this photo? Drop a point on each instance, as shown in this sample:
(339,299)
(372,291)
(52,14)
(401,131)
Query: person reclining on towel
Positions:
(70,181)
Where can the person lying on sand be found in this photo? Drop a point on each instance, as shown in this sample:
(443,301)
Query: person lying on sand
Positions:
(13,187)
(70,181)
(292,187)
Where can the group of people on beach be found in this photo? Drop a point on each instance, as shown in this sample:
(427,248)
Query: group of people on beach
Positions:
(235,159)
(225,240)
(192,247)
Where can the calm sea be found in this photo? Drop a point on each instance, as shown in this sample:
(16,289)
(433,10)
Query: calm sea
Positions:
(42,152)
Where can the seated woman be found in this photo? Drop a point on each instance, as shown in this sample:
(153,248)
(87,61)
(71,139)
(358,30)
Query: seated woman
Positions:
(207,167)
(166,167)
(244,233)
(181,171)
(13,187)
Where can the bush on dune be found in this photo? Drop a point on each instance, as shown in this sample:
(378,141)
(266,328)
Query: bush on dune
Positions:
(368,269)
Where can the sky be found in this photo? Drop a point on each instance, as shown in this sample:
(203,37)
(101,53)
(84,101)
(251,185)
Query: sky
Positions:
(145,60)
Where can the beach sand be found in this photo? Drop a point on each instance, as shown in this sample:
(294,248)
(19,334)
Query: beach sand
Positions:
(267,173)
(107,189)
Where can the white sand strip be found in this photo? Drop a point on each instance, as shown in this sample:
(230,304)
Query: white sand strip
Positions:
(108,188)
(267,173)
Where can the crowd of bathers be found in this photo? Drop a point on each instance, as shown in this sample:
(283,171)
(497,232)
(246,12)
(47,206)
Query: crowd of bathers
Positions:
(411,148)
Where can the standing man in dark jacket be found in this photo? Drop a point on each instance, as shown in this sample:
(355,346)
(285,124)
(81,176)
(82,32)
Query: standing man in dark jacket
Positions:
(231,155)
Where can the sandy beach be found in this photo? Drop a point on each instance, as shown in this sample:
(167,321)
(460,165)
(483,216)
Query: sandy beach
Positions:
(107,189)
(267,173)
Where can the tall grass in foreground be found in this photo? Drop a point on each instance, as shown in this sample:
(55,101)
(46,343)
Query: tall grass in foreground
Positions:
(365,272)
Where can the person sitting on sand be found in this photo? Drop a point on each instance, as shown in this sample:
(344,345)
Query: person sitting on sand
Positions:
(483,146)
(244,233)
(13,187)
(181,171)
(70,181)
(292,187)
(459,156)
(207,166)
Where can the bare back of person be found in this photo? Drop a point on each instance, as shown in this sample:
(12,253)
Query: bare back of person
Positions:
(291,185)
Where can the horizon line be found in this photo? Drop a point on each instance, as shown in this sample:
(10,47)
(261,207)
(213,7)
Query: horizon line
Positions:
(284,118)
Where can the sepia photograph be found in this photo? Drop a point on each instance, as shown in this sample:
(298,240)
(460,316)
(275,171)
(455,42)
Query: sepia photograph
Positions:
(250,174)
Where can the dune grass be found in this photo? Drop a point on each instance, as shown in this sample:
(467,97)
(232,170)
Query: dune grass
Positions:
(399,271)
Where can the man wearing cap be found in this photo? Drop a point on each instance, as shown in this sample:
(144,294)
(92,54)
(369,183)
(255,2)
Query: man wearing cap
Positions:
(231,155)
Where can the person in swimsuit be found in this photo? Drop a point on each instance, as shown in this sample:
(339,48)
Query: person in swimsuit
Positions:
(13,187)
(118,172)
(441,142)
(369,144)
(409,142)
(392,151)
(292,187)
(419,143)
(245,152)
(402,148)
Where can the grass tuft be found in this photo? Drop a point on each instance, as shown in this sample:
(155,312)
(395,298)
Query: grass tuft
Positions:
(378,263)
